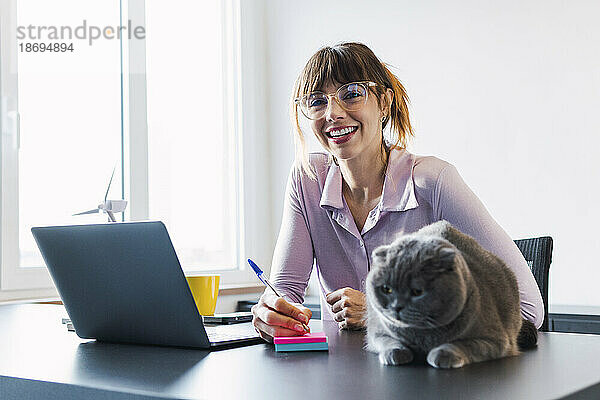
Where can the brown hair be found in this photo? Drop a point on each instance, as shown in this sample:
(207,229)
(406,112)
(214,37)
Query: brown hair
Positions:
(351,62)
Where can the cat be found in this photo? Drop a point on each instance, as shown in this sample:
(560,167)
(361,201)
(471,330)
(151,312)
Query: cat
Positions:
(438,294)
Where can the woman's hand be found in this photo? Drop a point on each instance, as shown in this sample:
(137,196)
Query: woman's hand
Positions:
(348,307)
(274,316)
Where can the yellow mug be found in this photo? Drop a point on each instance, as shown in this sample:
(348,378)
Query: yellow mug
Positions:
(205,289)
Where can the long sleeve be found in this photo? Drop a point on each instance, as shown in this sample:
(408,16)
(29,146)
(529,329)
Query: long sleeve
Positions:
(455,202)
(293,255)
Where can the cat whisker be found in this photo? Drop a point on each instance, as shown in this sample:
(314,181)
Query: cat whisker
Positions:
(393,321)
(415,318)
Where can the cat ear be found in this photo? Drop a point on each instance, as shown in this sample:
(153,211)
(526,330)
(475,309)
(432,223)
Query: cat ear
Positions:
(380,254)
(446,256)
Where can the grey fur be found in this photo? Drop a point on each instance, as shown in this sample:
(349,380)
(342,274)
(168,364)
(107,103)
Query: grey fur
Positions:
(469,309)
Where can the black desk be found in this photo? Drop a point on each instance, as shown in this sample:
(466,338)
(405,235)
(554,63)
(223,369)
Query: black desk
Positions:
(39,359)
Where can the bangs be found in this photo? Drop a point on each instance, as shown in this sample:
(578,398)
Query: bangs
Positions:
(332,65)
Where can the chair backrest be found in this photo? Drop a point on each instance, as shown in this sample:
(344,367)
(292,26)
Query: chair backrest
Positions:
(538,254)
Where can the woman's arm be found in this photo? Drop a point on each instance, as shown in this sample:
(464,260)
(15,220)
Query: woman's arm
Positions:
(293,256)
(290,271)
(454,201)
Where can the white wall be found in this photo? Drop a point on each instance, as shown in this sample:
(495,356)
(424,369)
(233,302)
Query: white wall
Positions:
(508,91)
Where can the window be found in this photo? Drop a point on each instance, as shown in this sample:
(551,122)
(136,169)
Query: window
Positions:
(192,160)
(63,122)
(162,110)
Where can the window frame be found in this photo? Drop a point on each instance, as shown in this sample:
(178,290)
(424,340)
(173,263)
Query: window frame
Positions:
(12,277)
(245,122)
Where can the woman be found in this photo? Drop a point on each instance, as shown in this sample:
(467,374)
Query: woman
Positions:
(363,192)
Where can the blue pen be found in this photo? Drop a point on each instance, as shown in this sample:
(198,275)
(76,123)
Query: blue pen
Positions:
(265,281)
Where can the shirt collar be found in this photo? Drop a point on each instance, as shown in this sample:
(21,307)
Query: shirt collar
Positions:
(332,189)
(398,186)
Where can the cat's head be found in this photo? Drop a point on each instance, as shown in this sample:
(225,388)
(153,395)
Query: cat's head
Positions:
(417,281)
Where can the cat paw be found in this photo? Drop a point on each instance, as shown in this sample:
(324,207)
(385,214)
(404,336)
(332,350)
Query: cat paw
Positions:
(446,356)
(395,356)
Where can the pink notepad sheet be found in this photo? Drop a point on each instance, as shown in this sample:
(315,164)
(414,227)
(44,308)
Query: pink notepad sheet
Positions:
(313,337)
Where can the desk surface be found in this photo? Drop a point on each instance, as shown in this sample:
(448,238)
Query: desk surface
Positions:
(40,359)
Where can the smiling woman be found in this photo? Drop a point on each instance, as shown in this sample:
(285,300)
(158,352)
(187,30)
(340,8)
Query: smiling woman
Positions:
(362,192)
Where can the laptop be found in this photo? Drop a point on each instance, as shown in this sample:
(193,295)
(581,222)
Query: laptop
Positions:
(122,282)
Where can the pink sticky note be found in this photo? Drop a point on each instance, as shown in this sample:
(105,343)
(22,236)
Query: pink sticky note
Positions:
(313,337)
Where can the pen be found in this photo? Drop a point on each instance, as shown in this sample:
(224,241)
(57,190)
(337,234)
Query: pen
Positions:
(265,281)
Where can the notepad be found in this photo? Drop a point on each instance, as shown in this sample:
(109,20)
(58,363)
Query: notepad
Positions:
(313,337)
(302,346)
(308,342)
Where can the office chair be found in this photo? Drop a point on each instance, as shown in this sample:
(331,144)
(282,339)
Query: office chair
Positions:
(538,254)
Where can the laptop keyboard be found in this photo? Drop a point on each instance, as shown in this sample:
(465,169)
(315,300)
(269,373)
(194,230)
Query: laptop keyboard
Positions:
(227,333)
(215,333)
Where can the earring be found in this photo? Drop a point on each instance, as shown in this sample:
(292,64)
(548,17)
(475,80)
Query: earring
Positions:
(383,118)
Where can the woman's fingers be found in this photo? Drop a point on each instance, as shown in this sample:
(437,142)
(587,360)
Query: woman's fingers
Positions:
(274,316)
(305,310)
(348,306)
(280,305)
(268,332)
(343,303)
(336,295)
(350,322)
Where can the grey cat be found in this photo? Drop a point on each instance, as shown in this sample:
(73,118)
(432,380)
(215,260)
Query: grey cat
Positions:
(438,293)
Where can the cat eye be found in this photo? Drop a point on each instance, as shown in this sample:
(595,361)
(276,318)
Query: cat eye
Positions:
(416,292)
(386,289)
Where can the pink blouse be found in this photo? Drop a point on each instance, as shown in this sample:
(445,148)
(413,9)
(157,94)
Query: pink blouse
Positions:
(317,226)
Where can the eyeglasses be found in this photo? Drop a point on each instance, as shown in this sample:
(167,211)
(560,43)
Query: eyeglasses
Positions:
(351,97)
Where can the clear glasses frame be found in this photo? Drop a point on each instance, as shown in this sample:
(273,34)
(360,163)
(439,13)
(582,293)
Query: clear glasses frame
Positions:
(317,110)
